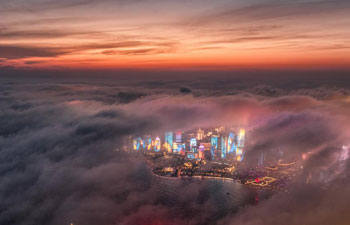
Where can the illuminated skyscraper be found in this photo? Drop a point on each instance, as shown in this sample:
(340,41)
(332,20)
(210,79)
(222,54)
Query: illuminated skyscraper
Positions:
(241,137)
(175,147)
(178,138)
(214,145)
(193,145)
(201,150)
(240,144)
(223,147)
(181,148)
(200,134)
(146,143)
(136,144)
(142,143)
(149,143)
(205,150)
(157,144)
(168,141)
(231,143)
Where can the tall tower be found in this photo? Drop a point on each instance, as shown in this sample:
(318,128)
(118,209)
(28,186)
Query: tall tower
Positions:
(193,145)
(214,145)
(223,147)
(157,144)
(168,141)
(240,144)
(178,137)
(200,134)
(136,143)
(231,143)
(241,137)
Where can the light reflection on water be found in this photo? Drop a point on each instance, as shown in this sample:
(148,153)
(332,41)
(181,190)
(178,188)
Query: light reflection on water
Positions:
(190,196)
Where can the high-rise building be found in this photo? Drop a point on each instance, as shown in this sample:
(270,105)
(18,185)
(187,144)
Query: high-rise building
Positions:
(136,143)
(181,148)
(214,145)
(157,144)
(206,153)
(168,141)
(223,147)
(240,144)
(200,134)
(149,143)
(201,150)
(241,136)
(175,147)
(207,146)
(142,144)
(178,137)
(193,145)
(231,143)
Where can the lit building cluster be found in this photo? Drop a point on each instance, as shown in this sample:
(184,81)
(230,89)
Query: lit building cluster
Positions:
(147,143)
(218,143)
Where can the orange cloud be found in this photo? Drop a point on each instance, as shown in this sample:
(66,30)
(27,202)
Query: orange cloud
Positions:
(162,34)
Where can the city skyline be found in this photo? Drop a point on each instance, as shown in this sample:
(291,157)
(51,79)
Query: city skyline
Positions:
(215,143)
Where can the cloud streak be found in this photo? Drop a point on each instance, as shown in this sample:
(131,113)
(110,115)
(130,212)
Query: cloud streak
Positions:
(192,34)
(16,52)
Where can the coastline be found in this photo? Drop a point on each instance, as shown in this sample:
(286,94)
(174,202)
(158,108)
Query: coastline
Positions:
(150,164)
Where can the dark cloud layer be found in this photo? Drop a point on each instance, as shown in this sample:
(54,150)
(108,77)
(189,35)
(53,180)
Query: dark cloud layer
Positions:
(26,51)
(60,160)
(15,52)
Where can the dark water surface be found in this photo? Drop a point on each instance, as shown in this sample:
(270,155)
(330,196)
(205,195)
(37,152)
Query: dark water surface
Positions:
(191,197)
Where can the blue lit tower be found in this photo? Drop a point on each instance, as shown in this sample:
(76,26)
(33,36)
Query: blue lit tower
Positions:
(193,145)
(181,148)
(149,144)
(136,143)
(231,143)
(157,144)
(223,147)
(214,145)
(168,141)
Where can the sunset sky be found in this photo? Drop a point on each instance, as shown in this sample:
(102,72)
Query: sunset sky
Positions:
(174,33)
(93,94)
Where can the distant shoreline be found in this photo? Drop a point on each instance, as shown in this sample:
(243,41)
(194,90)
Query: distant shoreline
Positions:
(150,164)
